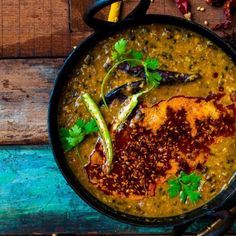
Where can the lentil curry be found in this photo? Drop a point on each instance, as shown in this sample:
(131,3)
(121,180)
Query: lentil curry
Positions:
(185,128)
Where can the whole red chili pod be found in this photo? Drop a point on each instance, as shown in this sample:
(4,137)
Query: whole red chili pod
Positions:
(227,13)
(183,6)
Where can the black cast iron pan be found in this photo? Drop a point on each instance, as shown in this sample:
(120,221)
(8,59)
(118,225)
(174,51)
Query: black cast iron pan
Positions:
(104,29)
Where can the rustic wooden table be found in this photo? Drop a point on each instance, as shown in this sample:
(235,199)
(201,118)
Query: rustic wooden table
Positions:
(35,38)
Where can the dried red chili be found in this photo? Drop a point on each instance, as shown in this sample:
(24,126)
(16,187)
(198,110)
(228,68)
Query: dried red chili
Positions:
(183,6)
(227,13)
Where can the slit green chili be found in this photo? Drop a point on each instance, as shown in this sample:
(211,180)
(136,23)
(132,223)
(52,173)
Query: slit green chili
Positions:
(102,129)
(127,109)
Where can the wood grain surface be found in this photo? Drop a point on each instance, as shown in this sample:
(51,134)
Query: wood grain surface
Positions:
(52,27)
(35,199)
(49,29)
(24,90)
(37,28)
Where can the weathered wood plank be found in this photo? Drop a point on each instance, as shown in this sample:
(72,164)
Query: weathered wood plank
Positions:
(24,91)
(35,198)
(50,27)
(43,21)
(33,28)
(77,9)
(27,28)
(1,31)
(10,27)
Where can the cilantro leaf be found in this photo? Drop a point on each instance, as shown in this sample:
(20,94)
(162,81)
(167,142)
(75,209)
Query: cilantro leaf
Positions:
(73,136)
(75,139)
(154,78)
(64,133)
(114,55)
(75,130)
(91,127)
(151,63)
(80,123)
(122,54)
(185,178)
(194,196)
(136,54)
(194,186)
(120,46)
(174,188)
(195,178)
(185,186)
(133,57)
(183,196)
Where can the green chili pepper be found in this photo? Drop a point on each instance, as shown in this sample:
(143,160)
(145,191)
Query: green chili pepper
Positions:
(102,128)
(127,109)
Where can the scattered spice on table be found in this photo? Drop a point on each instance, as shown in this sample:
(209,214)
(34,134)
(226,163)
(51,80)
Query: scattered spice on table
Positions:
(184,7)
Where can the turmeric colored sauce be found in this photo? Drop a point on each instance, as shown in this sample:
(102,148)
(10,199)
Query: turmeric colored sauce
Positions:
(188,127)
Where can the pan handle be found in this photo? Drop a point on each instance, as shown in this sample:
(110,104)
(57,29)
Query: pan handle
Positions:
(223,220)
(97,24)
(221,225)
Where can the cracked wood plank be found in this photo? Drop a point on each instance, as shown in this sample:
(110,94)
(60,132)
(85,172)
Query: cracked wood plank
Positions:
(24,92)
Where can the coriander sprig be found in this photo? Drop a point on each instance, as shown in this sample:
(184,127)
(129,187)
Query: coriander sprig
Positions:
(71,137)
(120,49)
(185,186)
(121,54)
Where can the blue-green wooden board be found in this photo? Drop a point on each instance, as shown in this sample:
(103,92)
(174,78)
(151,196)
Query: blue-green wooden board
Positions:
(34,197)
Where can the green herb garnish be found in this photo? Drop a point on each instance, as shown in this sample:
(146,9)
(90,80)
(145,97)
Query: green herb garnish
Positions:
(151,63)
(136,55)
(121,54)
(71,137)
(185,186)
(120,49)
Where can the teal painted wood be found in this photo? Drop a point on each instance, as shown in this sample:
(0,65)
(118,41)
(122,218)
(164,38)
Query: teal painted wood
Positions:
(34,197)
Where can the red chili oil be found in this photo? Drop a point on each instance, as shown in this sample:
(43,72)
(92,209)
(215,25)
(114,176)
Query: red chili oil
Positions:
(143,157)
